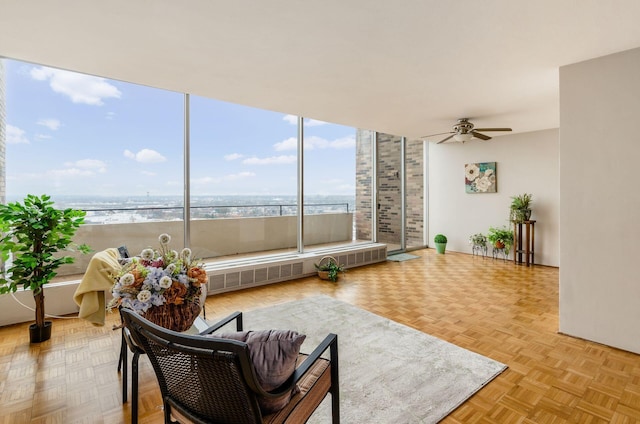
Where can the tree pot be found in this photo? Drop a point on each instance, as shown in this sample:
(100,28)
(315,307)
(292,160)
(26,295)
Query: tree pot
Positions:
(440,247)
(40,334)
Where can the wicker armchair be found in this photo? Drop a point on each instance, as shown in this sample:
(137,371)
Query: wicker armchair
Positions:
(127,341)
(212,380)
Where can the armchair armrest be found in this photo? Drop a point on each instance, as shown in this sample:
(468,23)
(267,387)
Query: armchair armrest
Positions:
(234,316)
(330,342)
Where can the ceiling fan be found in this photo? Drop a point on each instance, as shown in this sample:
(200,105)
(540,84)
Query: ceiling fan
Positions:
(465,131)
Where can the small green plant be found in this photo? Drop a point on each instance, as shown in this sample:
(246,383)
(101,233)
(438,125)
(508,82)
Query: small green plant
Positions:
(440,238)
(330,267)
(520,209)
(478,239)
(501,238)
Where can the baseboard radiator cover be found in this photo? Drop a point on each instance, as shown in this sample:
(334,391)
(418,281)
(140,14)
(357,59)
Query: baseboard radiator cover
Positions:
(235,275)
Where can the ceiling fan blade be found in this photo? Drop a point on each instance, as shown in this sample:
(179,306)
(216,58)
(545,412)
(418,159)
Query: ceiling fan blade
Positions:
(433,135)
(445,139)
(480,136)
(492,129)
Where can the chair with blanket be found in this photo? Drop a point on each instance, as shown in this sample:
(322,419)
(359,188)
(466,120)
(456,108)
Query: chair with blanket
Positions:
(243,377)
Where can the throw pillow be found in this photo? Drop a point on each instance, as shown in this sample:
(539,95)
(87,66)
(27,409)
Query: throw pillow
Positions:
(274,354)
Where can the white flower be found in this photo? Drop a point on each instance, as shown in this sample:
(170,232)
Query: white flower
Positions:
(165,282)
(127,279)
(164,239)
(471,171)
(488,172)
(171,268)
(147,254)
(172,255)
(483,184)
(144,296)
(186,255)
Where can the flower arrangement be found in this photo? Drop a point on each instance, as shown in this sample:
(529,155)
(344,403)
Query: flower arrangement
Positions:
(158,278)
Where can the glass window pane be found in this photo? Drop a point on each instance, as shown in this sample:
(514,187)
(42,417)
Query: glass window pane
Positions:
(109,147)
(243,179)
(329,184)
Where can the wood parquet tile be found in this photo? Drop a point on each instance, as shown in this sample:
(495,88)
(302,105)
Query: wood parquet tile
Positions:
(493,307)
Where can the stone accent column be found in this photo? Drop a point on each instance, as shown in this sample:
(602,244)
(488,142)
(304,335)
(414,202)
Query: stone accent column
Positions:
(389,195)
(364,177)
(414,193)
(3,136)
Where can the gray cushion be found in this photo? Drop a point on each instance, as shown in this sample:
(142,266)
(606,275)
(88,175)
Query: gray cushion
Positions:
(273,354)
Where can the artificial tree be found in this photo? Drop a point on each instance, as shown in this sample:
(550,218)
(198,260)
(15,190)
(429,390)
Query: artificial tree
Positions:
(31,235)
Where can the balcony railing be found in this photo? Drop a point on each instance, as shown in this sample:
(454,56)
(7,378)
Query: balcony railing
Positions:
(169,213)
(210,237)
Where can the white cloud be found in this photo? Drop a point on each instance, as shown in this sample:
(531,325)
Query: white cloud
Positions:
(229,177)
(238,176)
(91,165)
(145,156)
(344,142)
(70,172)
(313,123)
(293,120)
(290,143)
(80,88)
(16,135)
(233,156)
(148,173)
(314,142)
(110,115)
(52,124)
(273,160)
(43,137)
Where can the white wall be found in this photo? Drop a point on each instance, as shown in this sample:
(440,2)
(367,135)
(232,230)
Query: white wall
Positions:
(526,163)
(600,157)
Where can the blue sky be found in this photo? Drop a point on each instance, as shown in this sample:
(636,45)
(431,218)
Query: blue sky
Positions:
(69,133)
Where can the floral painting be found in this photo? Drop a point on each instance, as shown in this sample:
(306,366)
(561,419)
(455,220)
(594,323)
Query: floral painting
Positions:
(480,177)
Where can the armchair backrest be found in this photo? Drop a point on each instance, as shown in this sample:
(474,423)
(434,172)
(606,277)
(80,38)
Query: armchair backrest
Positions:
(204,379)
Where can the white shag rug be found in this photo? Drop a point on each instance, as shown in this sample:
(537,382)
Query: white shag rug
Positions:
(389,373)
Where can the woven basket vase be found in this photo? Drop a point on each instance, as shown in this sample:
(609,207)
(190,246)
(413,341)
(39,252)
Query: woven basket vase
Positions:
(174,317)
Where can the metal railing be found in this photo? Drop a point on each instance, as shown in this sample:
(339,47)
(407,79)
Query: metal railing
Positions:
(132,214)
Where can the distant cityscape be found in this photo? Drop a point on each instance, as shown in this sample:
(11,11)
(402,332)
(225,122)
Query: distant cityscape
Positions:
(124,209)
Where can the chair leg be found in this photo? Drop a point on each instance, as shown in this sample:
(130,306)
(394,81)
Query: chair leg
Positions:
(122,351)
(134,388)
(123,359)
(335,385)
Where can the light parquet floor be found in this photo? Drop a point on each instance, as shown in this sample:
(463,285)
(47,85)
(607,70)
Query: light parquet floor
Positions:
(498,309)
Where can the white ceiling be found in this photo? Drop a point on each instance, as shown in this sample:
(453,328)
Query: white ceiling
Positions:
(406,67)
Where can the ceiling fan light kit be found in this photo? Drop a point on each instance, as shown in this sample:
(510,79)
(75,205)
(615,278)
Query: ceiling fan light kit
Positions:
(465,131)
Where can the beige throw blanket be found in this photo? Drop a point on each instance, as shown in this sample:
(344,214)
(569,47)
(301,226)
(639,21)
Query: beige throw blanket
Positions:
(97,279)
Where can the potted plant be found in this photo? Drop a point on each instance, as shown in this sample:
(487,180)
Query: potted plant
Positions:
(328,268)
(31,235)
(500,238)
(441,243)
(478,243)
(520,209)
(478,239)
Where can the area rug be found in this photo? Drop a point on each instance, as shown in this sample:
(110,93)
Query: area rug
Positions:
(399,257)
(389,373)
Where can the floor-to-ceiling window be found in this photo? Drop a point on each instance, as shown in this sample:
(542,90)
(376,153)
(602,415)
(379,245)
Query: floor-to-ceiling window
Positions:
(243,179)
(109,147)
(117,150)
(329,183)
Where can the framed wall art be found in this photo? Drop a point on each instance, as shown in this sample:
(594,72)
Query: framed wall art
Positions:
(480,177)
